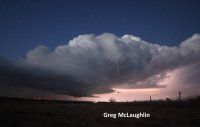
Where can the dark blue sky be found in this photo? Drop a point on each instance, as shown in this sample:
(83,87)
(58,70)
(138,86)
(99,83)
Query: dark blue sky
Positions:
(25,24)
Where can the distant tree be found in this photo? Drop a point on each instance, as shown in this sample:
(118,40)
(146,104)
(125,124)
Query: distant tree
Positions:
(112,100)
(167,99)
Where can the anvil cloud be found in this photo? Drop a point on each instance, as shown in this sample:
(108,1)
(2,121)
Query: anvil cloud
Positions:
(91,64)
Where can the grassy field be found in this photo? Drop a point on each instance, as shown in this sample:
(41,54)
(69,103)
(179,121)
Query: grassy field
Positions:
(27,113)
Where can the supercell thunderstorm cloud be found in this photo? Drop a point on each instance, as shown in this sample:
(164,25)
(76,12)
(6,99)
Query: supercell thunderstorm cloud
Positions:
(91,64)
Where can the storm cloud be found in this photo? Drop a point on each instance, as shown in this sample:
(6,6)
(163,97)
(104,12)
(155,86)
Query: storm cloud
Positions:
(90,64)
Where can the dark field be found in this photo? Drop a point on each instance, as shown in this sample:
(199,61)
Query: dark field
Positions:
(29,113)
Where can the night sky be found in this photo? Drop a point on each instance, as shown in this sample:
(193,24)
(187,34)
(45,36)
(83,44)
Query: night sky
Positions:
(25,24)
(87,48)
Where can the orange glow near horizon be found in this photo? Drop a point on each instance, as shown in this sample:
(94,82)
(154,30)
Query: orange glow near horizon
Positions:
(122,95)
(173,86)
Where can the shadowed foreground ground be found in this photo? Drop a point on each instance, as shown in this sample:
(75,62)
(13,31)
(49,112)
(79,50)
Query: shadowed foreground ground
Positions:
(75,114)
